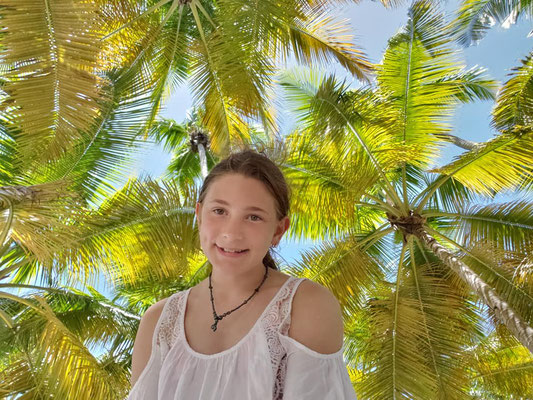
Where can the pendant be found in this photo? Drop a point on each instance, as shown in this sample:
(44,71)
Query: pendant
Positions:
(214,326)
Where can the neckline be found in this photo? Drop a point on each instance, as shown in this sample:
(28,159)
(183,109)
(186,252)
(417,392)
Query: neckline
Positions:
(236,345)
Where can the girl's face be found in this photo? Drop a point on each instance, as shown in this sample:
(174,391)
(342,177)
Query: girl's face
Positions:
(237,222)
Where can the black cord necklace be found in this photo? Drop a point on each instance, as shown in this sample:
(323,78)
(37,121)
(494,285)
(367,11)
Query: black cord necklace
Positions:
(219,317)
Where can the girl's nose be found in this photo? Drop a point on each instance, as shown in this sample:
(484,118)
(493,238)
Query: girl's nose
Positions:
(232,230)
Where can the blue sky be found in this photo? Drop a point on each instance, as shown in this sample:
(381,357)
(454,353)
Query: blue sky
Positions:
(372,26)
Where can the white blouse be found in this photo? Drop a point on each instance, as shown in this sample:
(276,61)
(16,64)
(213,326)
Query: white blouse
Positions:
(264,364)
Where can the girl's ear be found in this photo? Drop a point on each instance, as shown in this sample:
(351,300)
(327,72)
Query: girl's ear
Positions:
(282,227)
(197,212)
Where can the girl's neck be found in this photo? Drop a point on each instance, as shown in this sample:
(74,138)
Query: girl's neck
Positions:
(236,287)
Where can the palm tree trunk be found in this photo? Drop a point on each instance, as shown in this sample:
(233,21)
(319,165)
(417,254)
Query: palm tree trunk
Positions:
(199,141)
(203,159)
(518,327)
(35,194)
(10,195)
(459,142)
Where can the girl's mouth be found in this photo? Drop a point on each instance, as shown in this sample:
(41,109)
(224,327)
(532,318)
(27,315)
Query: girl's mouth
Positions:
(231,252)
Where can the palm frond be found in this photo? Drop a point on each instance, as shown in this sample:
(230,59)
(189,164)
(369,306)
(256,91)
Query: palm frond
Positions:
(168,61)
(233,83)
(147,42)
(469,85)
(25,269)
(38,217)
(406,339)
(59,365)
(421,75)
(326,186)
(170,134)
(501,163)
(450,196)
(53,82)
(7,153)
(496,267)
(323,103)
(344,266)
(285,28)
(104,157)
(230,52)
(322,39)
(514,106)
(500,369)
(475,17)
(508,225)
(326,108)
(144,224)
(184,167)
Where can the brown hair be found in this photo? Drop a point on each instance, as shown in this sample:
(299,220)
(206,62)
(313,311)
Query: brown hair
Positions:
(254,165)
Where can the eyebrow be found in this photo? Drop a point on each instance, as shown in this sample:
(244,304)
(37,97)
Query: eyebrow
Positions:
(251,208)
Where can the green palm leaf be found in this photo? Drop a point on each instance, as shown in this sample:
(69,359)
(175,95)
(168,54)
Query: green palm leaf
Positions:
(496,267)
(515,100)
(155,222)
(233,88)
(326,188)
(42,369)
(184,168)
(104,157)
(322,39)
(7,154)
(408,334)
(38,217)
(500,370)
(501,163)
(324,106)
(475,17)
(450,196)
(508,225)
(229,51)
(345,266)
(51,48)
(425,82)
(406,338)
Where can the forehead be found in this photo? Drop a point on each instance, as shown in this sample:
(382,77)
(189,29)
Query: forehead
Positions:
(240,192)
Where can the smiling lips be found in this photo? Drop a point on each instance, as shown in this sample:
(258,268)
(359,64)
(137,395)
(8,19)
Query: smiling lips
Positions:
(231,252)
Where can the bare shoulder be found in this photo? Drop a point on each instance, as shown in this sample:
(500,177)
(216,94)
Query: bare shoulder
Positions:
(142,348)
(316,318)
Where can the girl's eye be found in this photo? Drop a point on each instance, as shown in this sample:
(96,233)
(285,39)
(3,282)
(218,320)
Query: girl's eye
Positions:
(220,211)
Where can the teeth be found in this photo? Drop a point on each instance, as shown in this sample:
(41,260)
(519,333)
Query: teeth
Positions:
(232,251)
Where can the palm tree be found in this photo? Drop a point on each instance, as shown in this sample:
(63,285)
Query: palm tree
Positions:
(186,139)
(418,255)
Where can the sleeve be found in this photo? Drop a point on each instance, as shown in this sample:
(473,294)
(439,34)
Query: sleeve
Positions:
(313,376)
(146,386)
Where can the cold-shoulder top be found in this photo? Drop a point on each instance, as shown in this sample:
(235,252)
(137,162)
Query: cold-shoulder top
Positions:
(265,364)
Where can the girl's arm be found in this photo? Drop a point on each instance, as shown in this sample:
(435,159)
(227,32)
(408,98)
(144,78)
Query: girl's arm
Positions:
(142,348)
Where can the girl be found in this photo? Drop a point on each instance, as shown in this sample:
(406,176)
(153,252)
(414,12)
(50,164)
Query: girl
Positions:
(249,331)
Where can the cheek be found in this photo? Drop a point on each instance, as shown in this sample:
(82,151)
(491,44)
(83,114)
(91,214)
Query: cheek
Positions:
(203,230)
(207,226)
